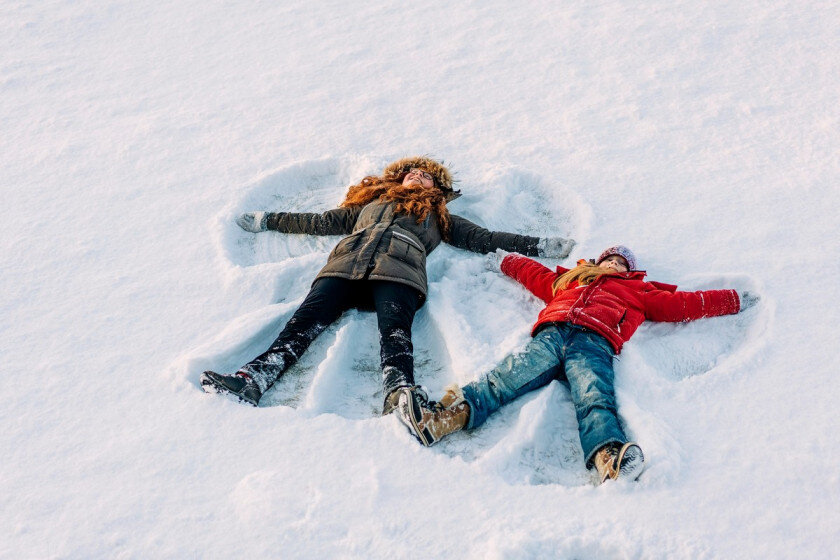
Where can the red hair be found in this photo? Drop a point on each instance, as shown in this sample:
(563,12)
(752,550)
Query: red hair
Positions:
(410,199)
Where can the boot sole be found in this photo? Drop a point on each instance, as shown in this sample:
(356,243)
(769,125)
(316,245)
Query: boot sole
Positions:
(210,386)
(415,415)
(632,468)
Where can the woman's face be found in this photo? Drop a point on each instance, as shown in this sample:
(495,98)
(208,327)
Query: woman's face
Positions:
(420,178)
(616,263)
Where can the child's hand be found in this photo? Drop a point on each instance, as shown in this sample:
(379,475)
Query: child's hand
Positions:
(555,247)
(748,299)
(493,261)
(254,222)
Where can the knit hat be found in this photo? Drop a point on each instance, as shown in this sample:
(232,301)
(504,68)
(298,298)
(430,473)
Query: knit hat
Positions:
(442,177)
(621,251)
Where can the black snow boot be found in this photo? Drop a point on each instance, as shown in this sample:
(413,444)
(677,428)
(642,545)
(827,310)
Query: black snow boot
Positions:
(238,385)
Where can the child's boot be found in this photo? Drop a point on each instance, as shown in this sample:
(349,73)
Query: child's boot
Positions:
(615,460)
(239,385)
(430,422)
(452,395)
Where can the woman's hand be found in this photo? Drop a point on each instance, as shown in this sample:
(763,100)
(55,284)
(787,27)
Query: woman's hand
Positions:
(254,222)
(555,247)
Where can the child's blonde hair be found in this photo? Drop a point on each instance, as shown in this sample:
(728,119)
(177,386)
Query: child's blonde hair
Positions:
(584,274)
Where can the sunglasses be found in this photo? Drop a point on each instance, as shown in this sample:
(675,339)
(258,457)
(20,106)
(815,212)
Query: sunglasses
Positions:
(425,174)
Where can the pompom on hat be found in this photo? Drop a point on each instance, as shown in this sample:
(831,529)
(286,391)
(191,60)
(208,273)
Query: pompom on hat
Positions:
(442,177)
(621,251)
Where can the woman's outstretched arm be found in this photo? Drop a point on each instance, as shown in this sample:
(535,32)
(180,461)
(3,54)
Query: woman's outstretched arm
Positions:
(465,234)
(339,221)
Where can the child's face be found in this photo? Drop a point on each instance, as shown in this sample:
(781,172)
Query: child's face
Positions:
(616,263)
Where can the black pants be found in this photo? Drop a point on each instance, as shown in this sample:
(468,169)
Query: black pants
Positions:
(395,305)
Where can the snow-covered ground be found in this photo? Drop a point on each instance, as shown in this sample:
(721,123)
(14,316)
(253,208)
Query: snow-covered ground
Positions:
(702,134)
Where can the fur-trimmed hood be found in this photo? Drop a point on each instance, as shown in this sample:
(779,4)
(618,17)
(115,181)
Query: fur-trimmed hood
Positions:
(443,179)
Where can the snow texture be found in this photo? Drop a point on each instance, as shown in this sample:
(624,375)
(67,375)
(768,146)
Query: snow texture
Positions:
(702,135)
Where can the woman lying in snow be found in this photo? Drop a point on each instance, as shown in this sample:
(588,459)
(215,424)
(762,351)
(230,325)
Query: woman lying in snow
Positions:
(391,222)
(591,311)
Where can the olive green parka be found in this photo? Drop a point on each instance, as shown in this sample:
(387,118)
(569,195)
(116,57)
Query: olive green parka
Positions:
(381,244)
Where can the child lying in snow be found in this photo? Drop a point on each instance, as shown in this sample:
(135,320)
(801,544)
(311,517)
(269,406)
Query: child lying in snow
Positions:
(591,311)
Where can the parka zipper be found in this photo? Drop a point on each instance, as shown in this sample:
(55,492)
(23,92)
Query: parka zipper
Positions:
(408,240)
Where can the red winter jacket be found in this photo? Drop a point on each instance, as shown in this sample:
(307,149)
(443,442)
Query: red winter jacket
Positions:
(614,305)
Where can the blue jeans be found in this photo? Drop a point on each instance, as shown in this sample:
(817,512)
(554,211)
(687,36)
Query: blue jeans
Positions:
(580,359)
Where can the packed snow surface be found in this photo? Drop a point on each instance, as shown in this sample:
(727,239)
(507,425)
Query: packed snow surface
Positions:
(704,135)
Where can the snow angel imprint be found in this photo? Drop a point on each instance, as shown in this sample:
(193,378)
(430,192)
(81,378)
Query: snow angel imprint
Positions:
(391,223)
(591,311)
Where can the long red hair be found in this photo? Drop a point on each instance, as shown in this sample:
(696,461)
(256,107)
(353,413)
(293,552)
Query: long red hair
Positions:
(410,199)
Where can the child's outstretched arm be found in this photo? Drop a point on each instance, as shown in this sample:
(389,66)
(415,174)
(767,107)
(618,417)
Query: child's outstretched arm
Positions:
(673,306)
(531,274)
(338,221)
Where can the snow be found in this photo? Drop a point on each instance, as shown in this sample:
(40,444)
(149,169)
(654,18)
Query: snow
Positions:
(702,135)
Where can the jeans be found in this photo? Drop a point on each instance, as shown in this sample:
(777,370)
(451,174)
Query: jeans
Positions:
(577,357)
(395,305)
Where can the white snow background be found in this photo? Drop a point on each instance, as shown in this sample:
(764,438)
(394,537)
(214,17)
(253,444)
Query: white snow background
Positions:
(702,134)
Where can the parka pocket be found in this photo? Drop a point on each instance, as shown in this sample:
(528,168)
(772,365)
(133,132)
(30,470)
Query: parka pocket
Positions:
(406,249)
(348,244)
